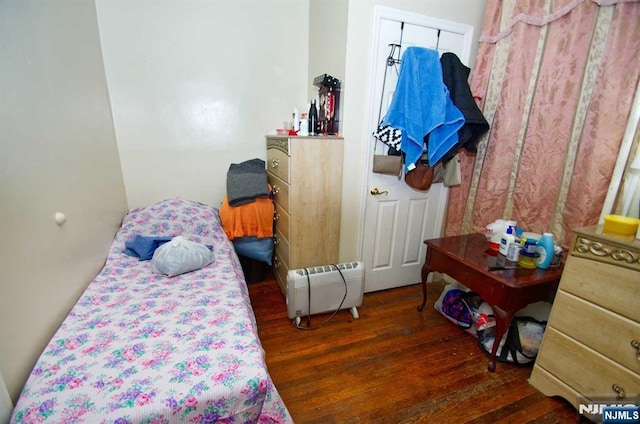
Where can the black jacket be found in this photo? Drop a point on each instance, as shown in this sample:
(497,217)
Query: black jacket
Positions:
(455,76)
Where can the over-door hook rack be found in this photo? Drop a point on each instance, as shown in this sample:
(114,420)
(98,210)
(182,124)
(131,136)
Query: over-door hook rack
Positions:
(394,53)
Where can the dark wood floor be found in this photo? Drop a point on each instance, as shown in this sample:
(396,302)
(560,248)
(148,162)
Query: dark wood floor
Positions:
(393,365)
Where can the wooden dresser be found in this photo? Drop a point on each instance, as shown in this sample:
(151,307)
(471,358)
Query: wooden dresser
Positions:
(591,347)
(306,177)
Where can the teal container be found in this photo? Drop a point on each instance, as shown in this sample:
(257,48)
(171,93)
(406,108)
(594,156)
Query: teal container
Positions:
(545,250)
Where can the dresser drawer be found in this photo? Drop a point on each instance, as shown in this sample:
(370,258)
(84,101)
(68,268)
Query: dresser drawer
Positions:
(280,191)
(280,269)
(549,385)
(278,164)
(282,246)
(595,244)
(282,221)
(603,331)
(589,280)
(583,369)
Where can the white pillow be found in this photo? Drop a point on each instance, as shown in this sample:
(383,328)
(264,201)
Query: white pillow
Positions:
(179,256)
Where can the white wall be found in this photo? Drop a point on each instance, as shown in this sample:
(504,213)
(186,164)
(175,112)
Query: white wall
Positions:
(357,97)
(327,40)
(57,153)
(6,406)
(195,85)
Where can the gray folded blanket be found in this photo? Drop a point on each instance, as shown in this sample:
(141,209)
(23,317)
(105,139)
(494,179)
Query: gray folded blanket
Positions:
(246,181)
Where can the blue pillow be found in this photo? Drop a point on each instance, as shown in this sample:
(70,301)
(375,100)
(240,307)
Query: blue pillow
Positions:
(259,249)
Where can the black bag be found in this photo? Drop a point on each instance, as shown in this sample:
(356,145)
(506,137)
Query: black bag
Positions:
(519,345)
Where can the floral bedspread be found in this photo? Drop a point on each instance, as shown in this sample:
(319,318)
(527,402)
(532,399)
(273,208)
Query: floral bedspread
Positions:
(141,347)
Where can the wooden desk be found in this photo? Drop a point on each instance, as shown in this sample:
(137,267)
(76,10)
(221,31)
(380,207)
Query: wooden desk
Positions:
(467,258)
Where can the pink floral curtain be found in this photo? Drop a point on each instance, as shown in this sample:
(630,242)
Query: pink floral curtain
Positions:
(556,81)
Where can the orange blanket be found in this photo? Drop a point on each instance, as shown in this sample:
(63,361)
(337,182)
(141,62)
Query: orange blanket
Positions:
(250,219)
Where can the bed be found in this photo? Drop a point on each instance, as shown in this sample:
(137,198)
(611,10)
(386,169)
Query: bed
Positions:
(145,348)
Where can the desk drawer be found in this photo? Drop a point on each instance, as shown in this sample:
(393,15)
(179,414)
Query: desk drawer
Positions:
(605,285)
(280,191)
(601,330)
(278,164)
(583,369)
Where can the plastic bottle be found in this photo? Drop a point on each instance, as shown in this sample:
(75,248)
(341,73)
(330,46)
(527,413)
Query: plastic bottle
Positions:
(296,120)
(506,239)
(513,249)
(304,124)
(313,118)
(545,249)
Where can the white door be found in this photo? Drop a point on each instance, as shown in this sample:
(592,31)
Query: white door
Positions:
(399,219)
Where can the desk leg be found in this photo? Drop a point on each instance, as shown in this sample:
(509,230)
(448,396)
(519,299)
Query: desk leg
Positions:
(426,269)
(503,319)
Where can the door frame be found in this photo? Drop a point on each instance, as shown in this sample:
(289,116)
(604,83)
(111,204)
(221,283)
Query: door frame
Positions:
(387,13)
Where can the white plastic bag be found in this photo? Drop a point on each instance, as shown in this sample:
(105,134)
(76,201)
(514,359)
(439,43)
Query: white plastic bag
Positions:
(179,256)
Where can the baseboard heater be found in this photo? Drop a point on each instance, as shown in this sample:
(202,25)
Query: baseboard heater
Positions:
(327,289)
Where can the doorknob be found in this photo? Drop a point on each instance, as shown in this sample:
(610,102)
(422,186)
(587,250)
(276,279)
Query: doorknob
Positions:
(377,192)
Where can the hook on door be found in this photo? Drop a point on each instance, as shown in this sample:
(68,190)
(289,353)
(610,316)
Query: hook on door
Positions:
(377,192)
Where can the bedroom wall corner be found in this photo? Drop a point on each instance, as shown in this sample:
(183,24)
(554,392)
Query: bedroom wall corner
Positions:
(58,153)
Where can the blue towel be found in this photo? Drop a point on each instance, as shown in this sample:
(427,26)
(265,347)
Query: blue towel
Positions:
(421,106)
(143,247)
(443,138)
